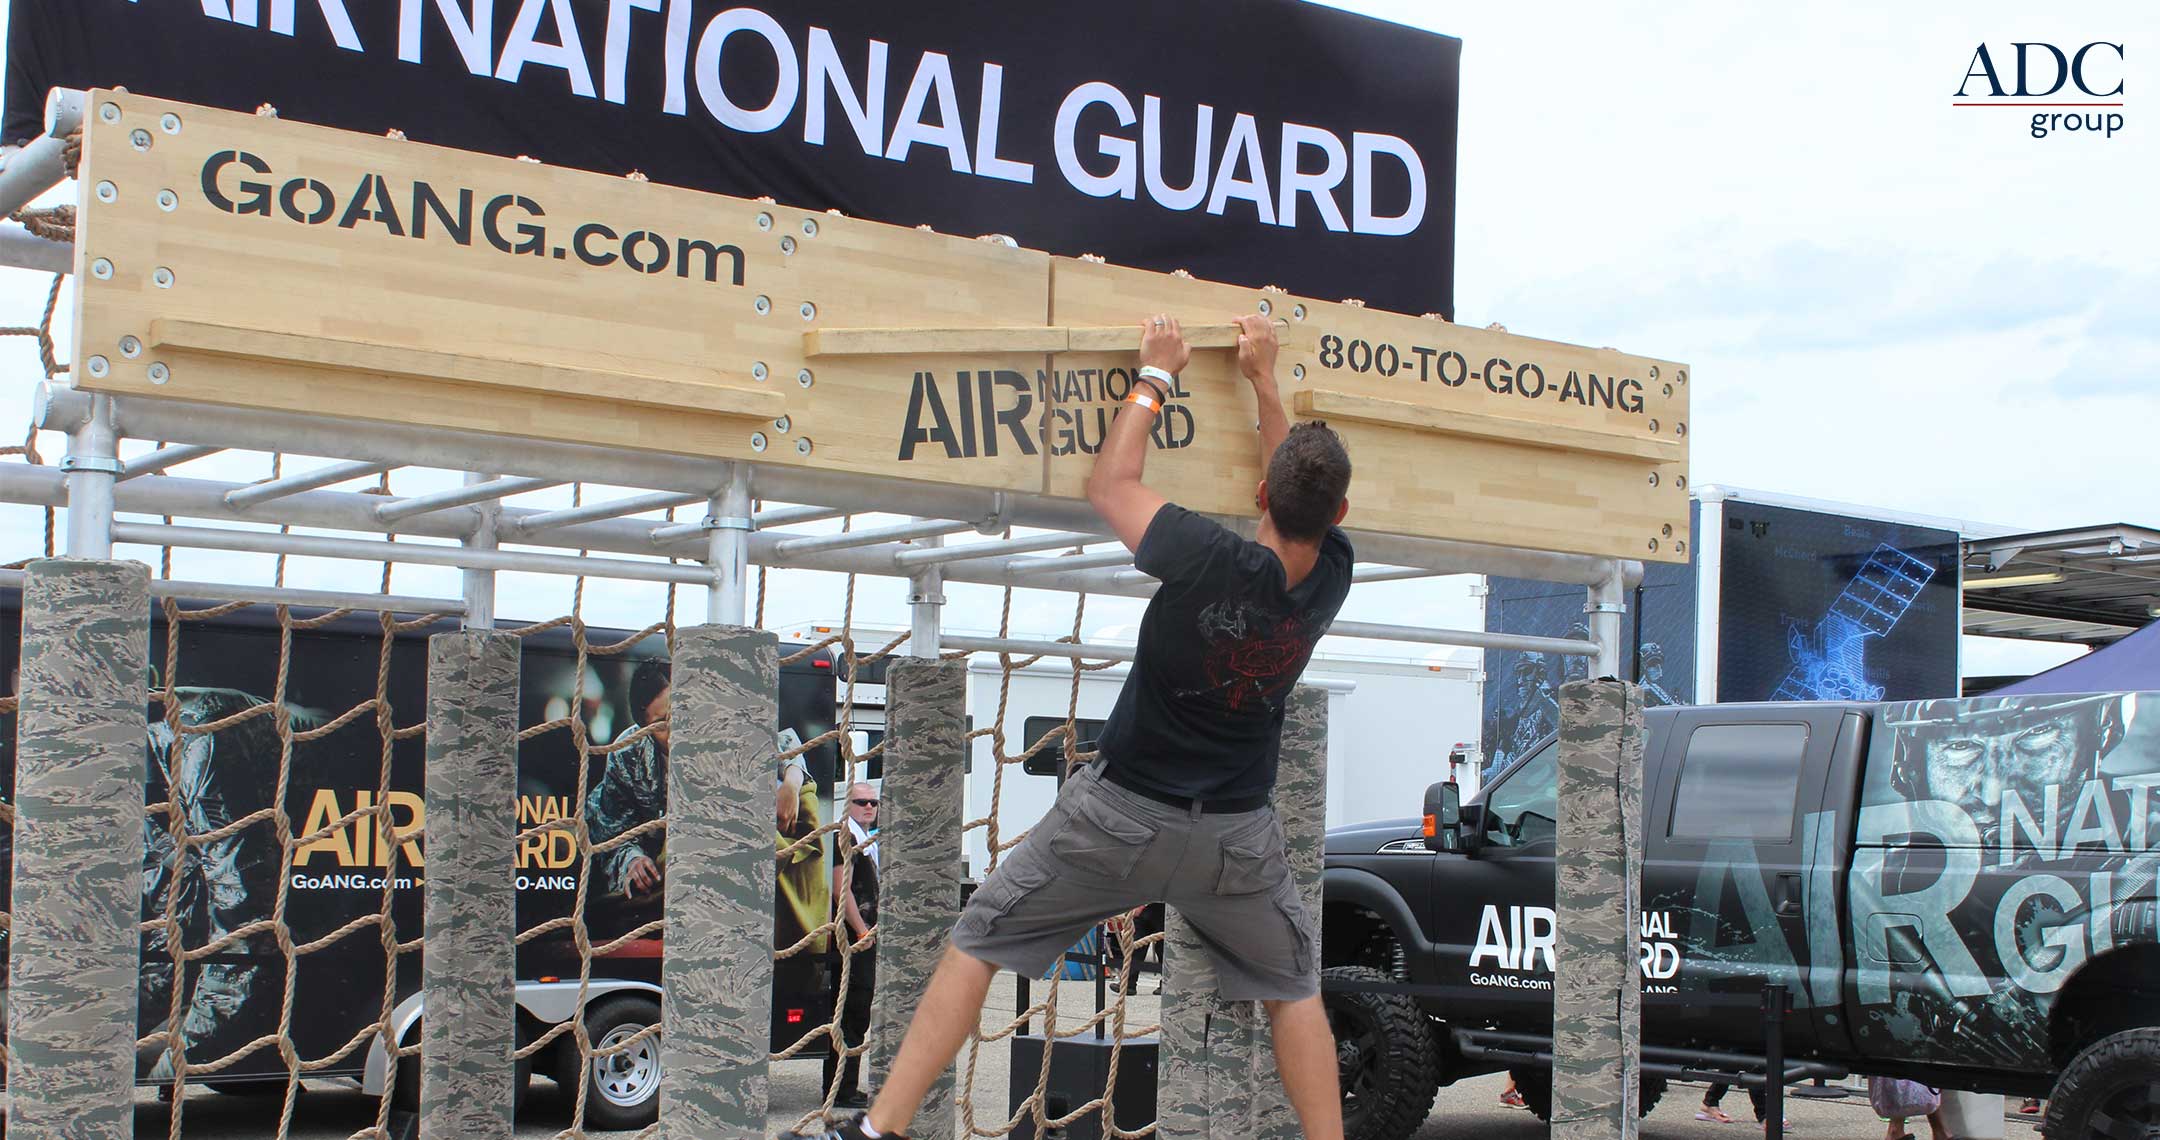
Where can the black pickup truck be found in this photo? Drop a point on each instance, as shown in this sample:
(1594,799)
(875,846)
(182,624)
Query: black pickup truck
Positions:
(1959,892)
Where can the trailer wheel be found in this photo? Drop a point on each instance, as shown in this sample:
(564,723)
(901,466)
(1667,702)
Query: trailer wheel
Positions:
(622,1091)
(2110,1089)
(1535,1085)
(1384,1057)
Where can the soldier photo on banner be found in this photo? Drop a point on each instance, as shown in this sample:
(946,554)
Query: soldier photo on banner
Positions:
(1522,702)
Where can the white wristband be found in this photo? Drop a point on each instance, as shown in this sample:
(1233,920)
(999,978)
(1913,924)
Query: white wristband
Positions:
(1169,382)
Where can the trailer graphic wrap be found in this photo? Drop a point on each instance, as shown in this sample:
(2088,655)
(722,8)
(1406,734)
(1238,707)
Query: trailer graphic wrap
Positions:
(2003,844)
(1521,706)
(1819,607)
(356,824)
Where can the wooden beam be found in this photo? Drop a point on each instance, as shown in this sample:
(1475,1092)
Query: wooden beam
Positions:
(930,341)
(1323,404)
(933,341)
(465,368)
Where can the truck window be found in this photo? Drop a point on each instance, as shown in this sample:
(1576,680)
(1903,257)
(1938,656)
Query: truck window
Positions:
(1740,781)
(1524,808)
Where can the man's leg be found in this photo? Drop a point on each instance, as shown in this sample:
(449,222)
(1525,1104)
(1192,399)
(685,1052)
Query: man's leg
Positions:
(1305,1056)
(951,1009)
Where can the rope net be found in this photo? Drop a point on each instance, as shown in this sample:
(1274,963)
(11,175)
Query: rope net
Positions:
(283,766)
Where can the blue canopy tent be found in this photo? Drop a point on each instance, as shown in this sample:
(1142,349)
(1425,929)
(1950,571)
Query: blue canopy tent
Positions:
(2129,665)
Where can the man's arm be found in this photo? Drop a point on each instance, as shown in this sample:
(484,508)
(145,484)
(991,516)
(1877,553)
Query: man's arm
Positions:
(1256,351)
(1114,488)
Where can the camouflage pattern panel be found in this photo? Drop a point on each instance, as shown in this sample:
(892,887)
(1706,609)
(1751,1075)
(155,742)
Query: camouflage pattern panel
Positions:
(1597,993)
(78,850)
(1301,804)
(1234,1051)
(718,870)
(919,879)
(469,973)
(1181,1100)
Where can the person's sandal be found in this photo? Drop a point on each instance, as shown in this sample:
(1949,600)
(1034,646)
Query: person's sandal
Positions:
(1512,1099)
(1712,1115)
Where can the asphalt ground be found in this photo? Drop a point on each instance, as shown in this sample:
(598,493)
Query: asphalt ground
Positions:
(1470,1110)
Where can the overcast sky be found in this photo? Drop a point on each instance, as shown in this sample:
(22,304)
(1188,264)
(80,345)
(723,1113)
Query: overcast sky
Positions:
(1885,300)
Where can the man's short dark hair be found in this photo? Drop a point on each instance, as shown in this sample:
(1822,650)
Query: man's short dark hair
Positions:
(646,685)
(1306,481)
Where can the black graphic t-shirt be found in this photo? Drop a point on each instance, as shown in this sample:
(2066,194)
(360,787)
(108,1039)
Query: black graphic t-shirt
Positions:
(1222,645)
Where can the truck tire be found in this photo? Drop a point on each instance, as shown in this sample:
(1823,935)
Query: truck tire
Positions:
(1385,1057)
(2107,1089)
(1535,1087)
(622,1091)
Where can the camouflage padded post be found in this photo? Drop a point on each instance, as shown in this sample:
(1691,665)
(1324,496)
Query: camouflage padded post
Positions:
(1217,1071)
(78,850)
(1301,803)
(919,875)
(470,971)
(1188,1005)
(717,1020)
(1597,991)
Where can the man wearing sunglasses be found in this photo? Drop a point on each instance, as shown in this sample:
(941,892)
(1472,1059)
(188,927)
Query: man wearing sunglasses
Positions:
(1177,809)
(855,860)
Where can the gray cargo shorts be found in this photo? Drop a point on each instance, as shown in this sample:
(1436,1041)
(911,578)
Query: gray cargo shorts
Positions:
(1103,850)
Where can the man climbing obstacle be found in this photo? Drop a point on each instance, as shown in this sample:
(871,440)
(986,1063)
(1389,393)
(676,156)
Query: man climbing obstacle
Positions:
(1176,809)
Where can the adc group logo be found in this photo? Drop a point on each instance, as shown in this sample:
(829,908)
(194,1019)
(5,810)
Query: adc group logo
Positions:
(2049,79)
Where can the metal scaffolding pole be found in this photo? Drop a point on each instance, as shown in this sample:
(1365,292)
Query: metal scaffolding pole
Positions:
(479,583)
(161,459)
(397,510)
(926,603)
(92,466)
(1473,638)
(1029,567)
(727,596)
(788,549)
(188,591)
(242,498)
(595,512)
(413,553)
(934,555)
(1607,611)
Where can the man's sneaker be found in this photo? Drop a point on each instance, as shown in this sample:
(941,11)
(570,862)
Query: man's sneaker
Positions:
(851,1129)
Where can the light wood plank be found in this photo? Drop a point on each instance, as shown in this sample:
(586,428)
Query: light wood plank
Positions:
(1319,403)
(931,342)
(463,368)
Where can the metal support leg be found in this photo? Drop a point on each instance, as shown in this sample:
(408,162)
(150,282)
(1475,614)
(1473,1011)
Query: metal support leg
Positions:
(73,957)
(727,600)
(469,974)
(92,466)
(926,603)
(1301,804)
(919,879)
(480,584)
(1607,612)
(1597,991)
(719,894)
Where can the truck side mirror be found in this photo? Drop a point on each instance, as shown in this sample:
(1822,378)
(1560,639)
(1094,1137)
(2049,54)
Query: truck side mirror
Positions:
(1443,817)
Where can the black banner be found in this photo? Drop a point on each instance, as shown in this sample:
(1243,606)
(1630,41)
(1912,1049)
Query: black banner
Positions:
(1269,142)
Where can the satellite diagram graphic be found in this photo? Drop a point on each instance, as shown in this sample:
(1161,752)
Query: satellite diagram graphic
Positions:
(1829,661)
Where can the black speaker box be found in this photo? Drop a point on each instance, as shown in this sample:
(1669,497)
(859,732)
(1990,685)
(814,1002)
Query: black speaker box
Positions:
(1079,1069)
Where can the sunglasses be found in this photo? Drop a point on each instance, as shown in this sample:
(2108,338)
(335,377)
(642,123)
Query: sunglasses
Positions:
(864,803)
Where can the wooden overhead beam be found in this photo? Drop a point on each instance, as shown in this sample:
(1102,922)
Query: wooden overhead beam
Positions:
(1320,403)
(706,393)
(919,341)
